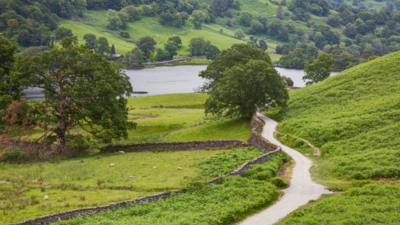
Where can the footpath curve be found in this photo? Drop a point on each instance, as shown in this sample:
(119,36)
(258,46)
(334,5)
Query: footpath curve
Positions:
(302,188)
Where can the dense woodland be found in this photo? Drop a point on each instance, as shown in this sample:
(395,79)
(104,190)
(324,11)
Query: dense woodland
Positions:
(352,32)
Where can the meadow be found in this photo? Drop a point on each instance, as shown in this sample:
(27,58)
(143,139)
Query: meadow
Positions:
(90,181)
(222,203)
(353,118)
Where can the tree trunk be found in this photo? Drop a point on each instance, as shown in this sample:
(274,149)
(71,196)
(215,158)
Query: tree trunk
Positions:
(61,129)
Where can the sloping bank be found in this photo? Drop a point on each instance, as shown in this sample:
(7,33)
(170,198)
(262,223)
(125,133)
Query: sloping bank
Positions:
(222,199)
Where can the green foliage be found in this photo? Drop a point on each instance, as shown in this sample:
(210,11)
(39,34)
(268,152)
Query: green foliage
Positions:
(63,32)
(320,69)
(294,59)
(348,119)
(239,33)
(371,204)
(288,81)
(125,34)
(227,162)
(242,90)
(13,155)
(146,45)
(278,182)
(268,170)
(205,205)
(9,89)
(113,20)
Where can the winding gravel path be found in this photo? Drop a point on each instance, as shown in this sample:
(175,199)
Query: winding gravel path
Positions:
(301,190)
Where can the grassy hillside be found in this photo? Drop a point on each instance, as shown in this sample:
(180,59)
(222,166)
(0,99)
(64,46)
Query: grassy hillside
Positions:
(147,26)
(354,117)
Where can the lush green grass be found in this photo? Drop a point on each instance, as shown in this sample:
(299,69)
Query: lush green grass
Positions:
(371,204)
(227,129)
(353,117)
(167,100)
(213,204)
(93,178)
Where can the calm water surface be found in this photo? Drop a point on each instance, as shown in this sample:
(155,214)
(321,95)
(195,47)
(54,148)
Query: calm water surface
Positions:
(176,79)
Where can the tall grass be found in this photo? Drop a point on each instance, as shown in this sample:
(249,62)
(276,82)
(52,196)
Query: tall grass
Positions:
(354,117)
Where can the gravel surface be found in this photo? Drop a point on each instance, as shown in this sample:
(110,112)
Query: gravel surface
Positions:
(302,189)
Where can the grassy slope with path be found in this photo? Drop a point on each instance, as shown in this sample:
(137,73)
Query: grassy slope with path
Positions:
(353,118)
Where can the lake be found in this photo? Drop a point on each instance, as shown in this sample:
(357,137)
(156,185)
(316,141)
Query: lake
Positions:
(175,79)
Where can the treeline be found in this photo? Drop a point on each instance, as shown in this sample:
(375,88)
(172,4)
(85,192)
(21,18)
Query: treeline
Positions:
(146,50)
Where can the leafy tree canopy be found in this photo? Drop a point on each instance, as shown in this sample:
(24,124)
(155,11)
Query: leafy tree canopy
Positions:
(320,69)
(238,54)
(245,88)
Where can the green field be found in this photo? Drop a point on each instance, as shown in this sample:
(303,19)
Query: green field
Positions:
(222,203)
(90,181)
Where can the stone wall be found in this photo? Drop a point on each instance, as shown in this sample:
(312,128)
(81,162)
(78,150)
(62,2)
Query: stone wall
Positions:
(256,139)
(176,146)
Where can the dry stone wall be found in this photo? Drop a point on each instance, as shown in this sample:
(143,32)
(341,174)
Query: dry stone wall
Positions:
(176,146)
(256,139)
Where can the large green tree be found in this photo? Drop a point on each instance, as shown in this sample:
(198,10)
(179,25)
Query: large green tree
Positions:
(113,20)
(320,69)
(242,79)
(80,88)
(245,88)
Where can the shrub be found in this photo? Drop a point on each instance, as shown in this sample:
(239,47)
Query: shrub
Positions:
(278,182)
(299,142)
(13,155)
(125,34)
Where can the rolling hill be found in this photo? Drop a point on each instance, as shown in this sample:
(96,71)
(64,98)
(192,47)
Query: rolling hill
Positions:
(354,117)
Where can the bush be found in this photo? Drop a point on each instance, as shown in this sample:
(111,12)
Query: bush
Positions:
(299,143)
(125,34)
(278,182)
(13,155)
